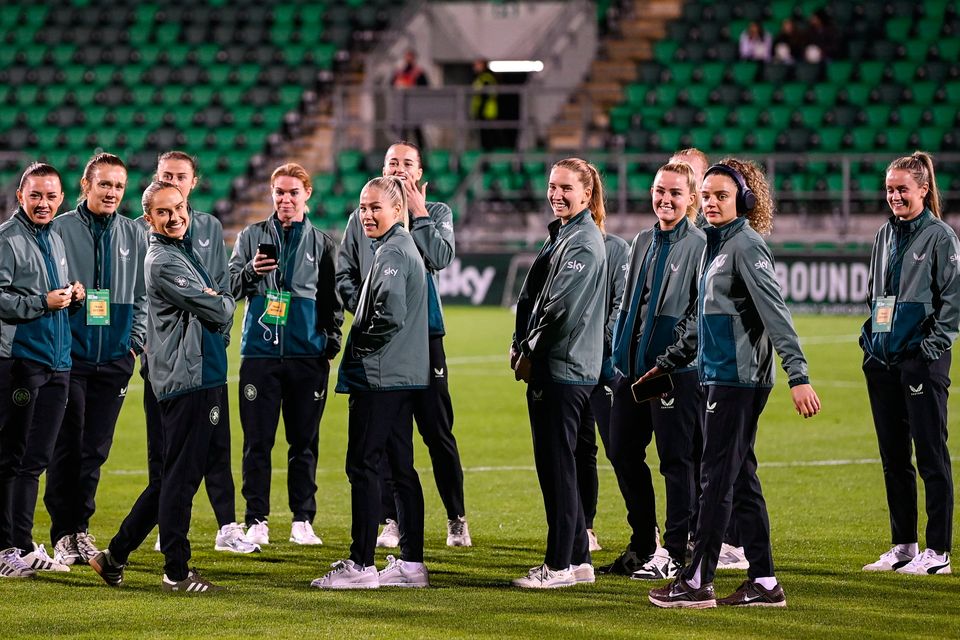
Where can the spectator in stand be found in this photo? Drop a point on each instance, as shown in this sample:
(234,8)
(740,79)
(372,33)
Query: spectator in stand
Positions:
(755,43)
(822,39)
(790,43)
(409,75)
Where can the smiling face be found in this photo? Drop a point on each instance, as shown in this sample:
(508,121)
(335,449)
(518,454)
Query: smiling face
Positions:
(904,196)
(377,213)
(404,162)
(719,199)
(671,197)
(177,172)
(104,190)
(168,213)
(40,198)
(290,197)
(566,194)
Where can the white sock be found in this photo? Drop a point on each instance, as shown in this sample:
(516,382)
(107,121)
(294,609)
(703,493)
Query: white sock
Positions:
(911,549)
(695,580)
(767,583)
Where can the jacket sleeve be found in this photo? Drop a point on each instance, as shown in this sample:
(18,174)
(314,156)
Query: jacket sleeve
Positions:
(433,236)
(329,307)
(243,279)
(348,276)
(13,305)
(218,268)
(138,331)
(176,284)
(755,266)
(946,316)
(387,299)
(564,298)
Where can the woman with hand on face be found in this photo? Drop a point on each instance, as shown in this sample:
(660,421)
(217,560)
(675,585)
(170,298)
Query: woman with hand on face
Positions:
(557,350)
(661,291)
(186,331)
(385,363)
(35,353)
(915,299)
(285,269)
(741,320)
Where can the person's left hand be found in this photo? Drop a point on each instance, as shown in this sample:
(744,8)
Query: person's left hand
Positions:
(805,400)
(79,292)
(523,368)
(416,198)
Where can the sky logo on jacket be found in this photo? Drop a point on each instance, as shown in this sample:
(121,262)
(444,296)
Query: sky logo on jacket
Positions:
(955,259)
(576,266)
(390,271)
(762,264)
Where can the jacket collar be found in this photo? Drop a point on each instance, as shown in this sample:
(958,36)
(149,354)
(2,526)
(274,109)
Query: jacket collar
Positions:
(378,242)
(21,216)
(910,226)
(673,235)
(559,230)
(721,234)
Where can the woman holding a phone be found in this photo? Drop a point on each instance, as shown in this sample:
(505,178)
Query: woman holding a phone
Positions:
(661,290)
(557,350)
(741,320)
(284,267)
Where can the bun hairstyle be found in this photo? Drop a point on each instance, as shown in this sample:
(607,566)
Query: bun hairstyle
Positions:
(101,158)
(590,179)
(761,214)
(392,186)
(920,166)
(155,187)
(685,170)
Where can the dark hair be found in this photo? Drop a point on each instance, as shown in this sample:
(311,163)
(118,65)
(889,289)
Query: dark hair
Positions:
(179,155)
(155,187)
(96,161)
(761,217)
(40,170)
(412,145)
(920,166)
(590,179)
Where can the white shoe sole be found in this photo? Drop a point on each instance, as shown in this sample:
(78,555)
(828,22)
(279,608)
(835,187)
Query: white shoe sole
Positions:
(683,604)
(217,547)
(307,543)
(345,587)
(406,585)
(733,566)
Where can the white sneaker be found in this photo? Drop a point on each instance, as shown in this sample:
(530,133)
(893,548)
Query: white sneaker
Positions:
(398,573)
(347,575)
(65,551)
(156,545)
(13,566)
(891,560)
(732,557)
(258,533)
(458,534)
(85,547)
(594,545)
(40,560)
(230,538)
(543,577)
(659,566)
(927,563)
(389,538)
(583,573)
(302,533)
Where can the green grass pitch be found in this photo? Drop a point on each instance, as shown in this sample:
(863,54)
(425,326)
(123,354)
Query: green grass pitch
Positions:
(821,479)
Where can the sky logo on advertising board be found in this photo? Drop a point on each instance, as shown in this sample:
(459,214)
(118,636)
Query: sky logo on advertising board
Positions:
(470,282)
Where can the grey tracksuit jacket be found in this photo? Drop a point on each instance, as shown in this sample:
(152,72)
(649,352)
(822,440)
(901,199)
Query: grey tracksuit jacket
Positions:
(742,318)
(919,263)
(561,311)
(186,327)
(434,238)
(32,263)
(388,344)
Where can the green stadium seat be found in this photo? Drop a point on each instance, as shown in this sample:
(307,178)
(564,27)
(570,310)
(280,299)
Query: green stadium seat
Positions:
(877,115)
(910,115)
(926,138)
(664,51)
(825,94)
(697,95)
(830,138)
(870,72)
(893,138)
(944,116)
(761,140)
(898,29)
(839,71)
(349,161)
(681,73)
(635,94)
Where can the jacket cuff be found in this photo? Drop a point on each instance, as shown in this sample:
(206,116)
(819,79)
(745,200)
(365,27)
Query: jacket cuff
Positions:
(424,221)
(43,302)
(796,382)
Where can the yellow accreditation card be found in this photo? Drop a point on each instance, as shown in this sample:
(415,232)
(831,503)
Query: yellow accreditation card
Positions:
(98,307)
(278,307)
(883,314)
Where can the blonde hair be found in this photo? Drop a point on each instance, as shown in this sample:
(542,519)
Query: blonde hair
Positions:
(392,186)
(590,179)
(292,170)
(690,152)
(761,218)
(920,166)
(685,170)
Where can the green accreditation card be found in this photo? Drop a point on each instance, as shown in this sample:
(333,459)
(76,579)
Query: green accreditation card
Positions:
(278,307)
(98,307)
(883,314)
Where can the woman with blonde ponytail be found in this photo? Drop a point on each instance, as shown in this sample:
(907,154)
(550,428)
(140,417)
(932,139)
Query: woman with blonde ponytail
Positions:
(915,317)
(557,350)
(385,361)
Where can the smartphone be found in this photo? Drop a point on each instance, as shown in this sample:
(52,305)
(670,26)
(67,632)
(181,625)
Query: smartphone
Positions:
(652,388)
(267,249)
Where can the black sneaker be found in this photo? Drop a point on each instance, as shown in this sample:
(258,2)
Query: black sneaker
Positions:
(193,583)
(679,594)
(109,569)
(752,594)
(625,564)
